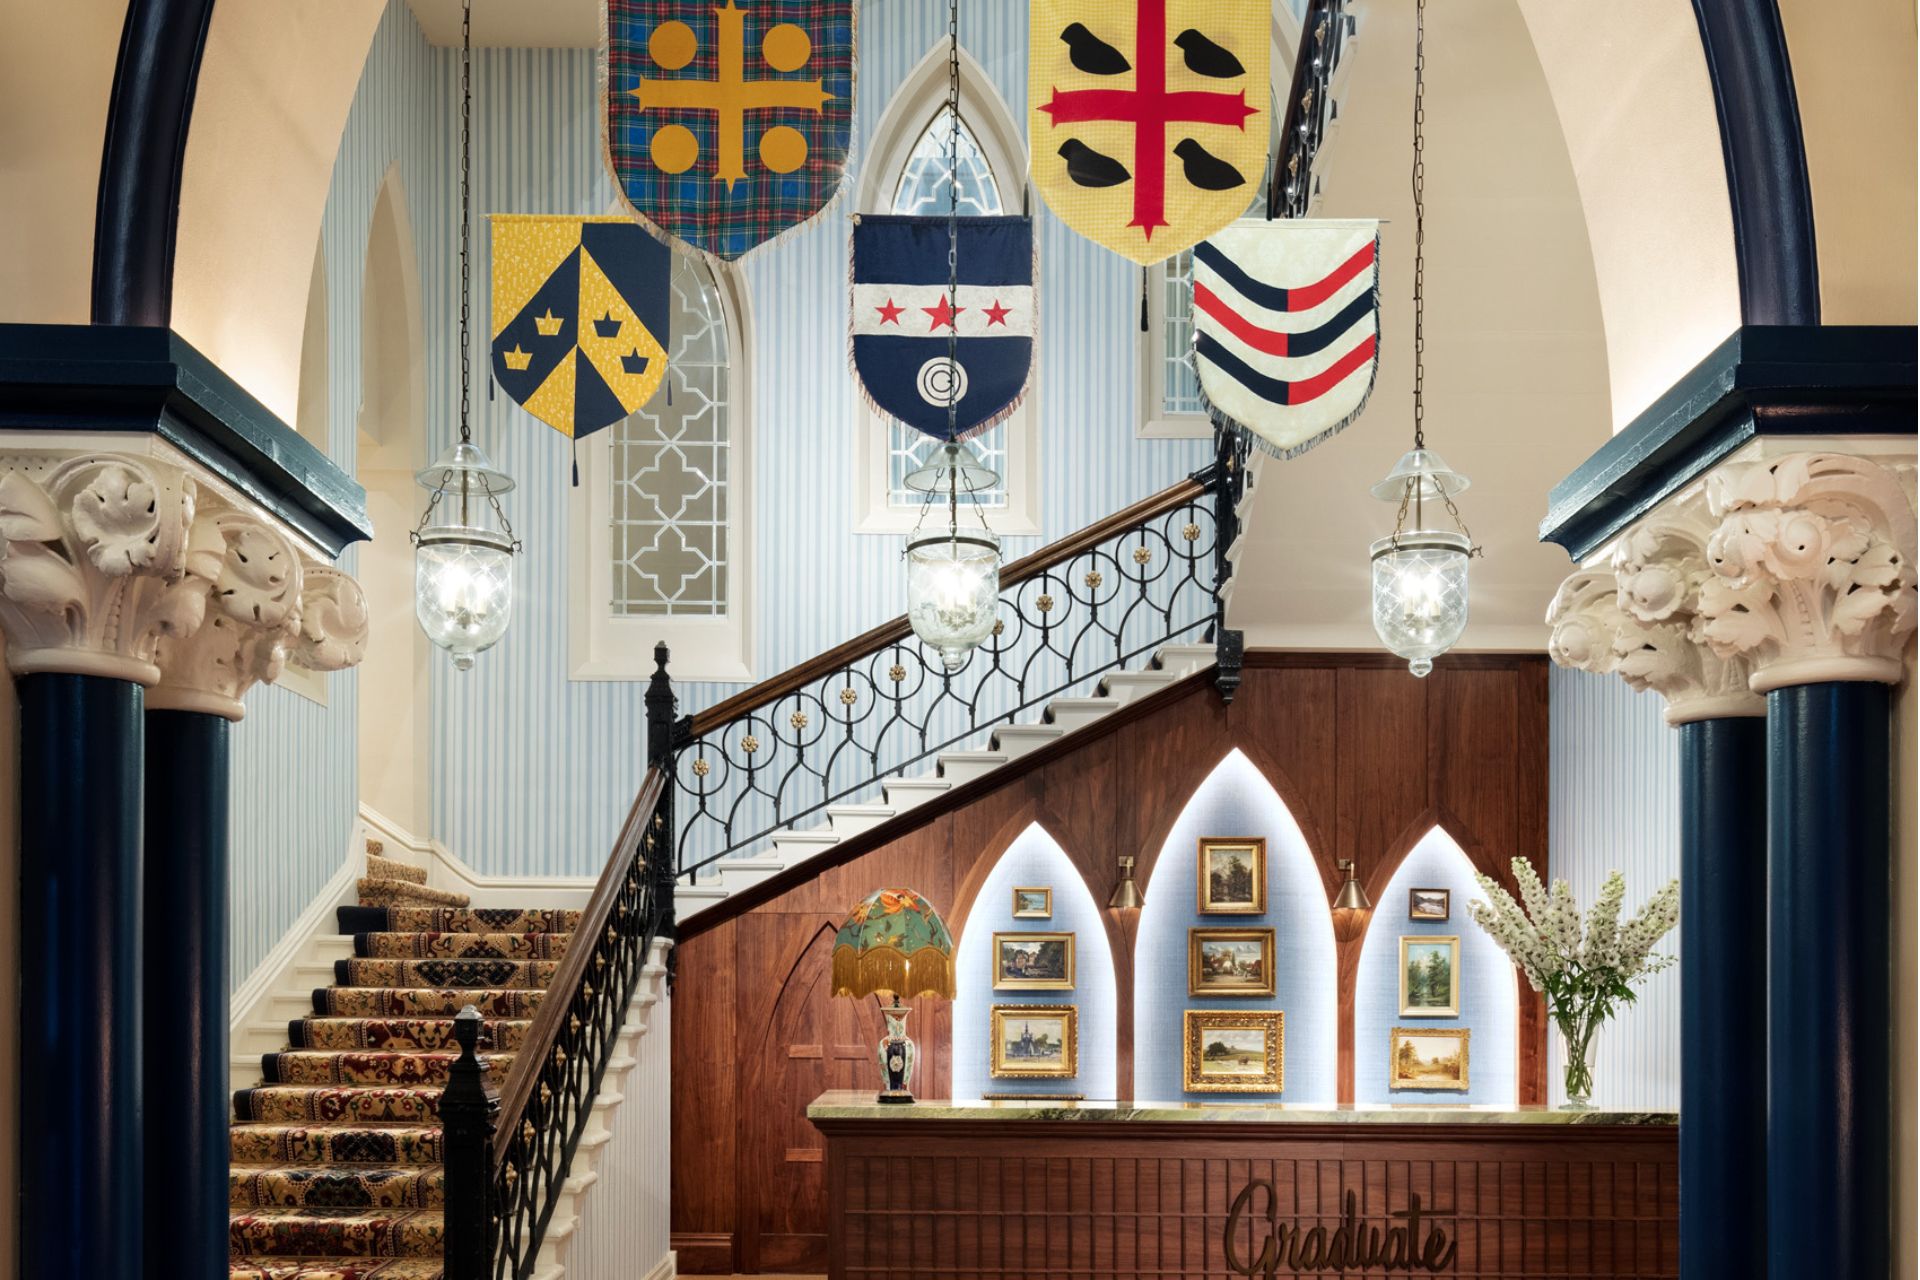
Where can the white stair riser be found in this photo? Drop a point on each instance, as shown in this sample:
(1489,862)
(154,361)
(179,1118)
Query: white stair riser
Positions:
(847,822)
(964,766)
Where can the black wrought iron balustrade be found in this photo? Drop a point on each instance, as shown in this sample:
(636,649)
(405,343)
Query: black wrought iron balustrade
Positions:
(870,713)
(1310,108)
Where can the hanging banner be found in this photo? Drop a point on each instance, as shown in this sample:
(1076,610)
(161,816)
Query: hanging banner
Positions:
(727,125)
(580,317)
(902,318)
(1149,118)
(1286,328)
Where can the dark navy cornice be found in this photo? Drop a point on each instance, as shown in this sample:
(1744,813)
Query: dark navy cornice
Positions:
(117,378)
(1800,380)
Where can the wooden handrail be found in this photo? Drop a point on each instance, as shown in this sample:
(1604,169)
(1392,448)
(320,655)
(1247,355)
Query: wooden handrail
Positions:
(895,630)
(532,1055)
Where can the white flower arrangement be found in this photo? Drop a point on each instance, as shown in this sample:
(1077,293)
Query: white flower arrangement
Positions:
(1584,973)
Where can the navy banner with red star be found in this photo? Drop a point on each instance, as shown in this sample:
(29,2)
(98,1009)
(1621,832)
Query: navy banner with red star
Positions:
(904,319)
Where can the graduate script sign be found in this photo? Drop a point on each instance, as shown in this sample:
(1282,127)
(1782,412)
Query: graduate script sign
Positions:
(1404,1242)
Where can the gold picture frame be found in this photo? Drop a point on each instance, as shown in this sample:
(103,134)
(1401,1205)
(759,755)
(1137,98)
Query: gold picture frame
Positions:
(1024,906)
(1032,961)
(1432,905)
(1224,889)
(1429,975)
(1220,1044)
(1417,1059)
(1218,962)
(1052,1054)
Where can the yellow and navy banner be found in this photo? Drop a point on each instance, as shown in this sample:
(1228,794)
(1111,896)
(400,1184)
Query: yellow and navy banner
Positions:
(580,316)
(1148,119)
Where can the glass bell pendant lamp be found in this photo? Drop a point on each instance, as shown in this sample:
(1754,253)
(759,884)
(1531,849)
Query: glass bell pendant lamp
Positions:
(463,555)
(1420,572)
(953,578)
(463,545)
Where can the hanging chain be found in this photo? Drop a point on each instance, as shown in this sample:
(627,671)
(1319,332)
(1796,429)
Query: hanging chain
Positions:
(1419,222)
(953,256)
(466,219)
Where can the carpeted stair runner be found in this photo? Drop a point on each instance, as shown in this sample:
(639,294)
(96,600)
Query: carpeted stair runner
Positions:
(390,883)
(336,1170)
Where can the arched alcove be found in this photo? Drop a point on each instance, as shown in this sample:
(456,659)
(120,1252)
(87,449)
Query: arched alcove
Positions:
(1034,860)
(390,447)
(1237,800)
(1489,1000)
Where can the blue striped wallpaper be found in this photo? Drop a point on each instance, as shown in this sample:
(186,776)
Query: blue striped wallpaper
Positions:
(295,770)
(1614,796)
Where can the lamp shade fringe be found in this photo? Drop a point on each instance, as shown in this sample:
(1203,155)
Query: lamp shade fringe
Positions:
(889,971)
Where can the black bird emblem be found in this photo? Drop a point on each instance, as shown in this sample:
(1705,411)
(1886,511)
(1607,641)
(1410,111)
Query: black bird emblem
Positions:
(1205,58)
(1204,169)
(1088,168)
(1089,53)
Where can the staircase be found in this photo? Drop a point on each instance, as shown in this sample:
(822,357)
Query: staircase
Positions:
(1060,717)
(337,1152)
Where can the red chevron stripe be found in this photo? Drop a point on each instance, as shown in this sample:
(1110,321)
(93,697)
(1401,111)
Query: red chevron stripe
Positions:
(1314,294)
(1270,341)
(1313,388)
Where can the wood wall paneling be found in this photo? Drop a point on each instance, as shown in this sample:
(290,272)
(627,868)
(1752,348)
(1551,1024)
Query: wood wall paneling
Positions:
(1365,757)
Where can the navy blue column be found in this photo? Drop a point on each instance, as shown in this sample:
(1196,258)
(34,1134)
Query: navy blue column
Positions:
(187,1007)
(80,1142)
(1829,978)
(1723,999)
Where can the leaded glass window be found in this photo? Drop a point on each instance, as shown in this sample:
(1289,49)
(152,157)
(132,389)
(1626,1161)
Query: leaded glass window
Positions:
(1180,389)
(672,469)
(927,186)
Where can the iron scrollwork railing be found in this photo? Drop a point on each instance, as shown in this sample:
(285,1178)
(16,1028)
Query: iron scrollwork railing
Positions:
(839,726)
(1310,108)
(507,1156)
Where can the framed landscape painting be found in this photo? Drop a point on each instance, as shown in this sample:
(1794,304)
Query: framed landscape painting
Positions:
(1032,902)
(1227,1051)
(1033,962)
(1034,1041)
(1229,962)
(1233,876)
(1428,1058)
(1429,976)
(1429,904)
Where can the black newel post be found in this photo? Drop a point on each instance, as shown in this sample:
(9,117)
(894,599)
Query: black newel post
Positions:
(662,731)
(186,1015)
(79,1137)
(1229,483)
(1723,1025)
(1829,976)
(467,1112)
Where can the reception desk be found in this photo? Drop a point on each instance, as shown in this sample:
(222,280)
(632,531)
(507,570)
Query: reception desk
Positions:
(1008,1188)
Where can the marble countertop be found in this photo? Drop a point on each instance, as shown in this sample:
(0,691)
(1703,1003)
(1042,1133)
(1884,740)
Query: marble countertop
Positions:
(844,1104)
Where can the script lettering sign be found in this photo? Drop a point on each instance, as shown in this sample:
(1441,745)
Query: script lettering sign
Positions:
(1352,1245)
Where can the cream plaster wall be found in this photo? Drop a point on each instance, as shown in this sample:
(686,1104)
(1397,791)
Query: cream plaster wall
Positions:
(276,82)
(1629,83)
(56,74)
(1853,71)
(1516,360)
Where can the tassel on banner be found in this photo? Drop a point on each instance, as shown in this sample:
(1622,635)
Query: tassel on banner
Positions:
(1143,298)
(669,389)
(576,460)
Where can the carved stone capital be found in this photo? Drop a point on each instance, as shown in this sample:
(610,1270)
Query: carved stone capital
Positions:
(253,617)
(98,564)
(333,621)
(1813,576)
(1638,620)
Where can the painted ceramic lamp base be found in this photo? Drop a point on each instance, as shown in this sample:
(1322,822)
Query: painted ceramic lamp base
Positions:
(897,1055)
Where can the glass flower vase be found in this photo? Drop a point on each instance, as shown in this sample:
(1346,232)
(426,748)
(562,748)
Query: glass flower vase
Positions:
(1576,1044)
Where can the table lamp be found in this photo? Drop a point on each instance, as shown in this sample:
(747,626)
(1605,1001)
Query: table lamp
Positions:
(894,944)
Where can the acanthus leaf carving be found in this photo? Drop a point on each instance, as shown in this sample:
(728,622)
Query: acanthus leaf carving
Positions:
(333,621)
(1813,560)
(95,568)
(254,616)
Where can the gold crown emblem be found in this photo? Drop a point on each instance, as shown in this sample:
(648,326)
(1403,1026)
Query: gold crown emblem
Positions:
(517,359)
(548,324)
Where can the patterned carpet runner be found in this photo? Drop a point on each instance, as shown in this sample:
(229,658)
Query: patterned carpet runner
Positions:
(336,1169)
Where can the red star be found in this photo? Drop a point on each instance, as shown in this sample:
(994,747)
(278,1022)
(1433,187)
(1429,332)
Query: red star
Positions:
(997,314)
(889,314)
(942,314)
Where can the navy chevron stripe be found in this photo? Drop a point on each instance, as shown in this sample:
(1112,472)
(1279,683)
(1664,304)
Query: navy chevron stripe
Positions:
(1274,389)
(1321,337)
(1272,297)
